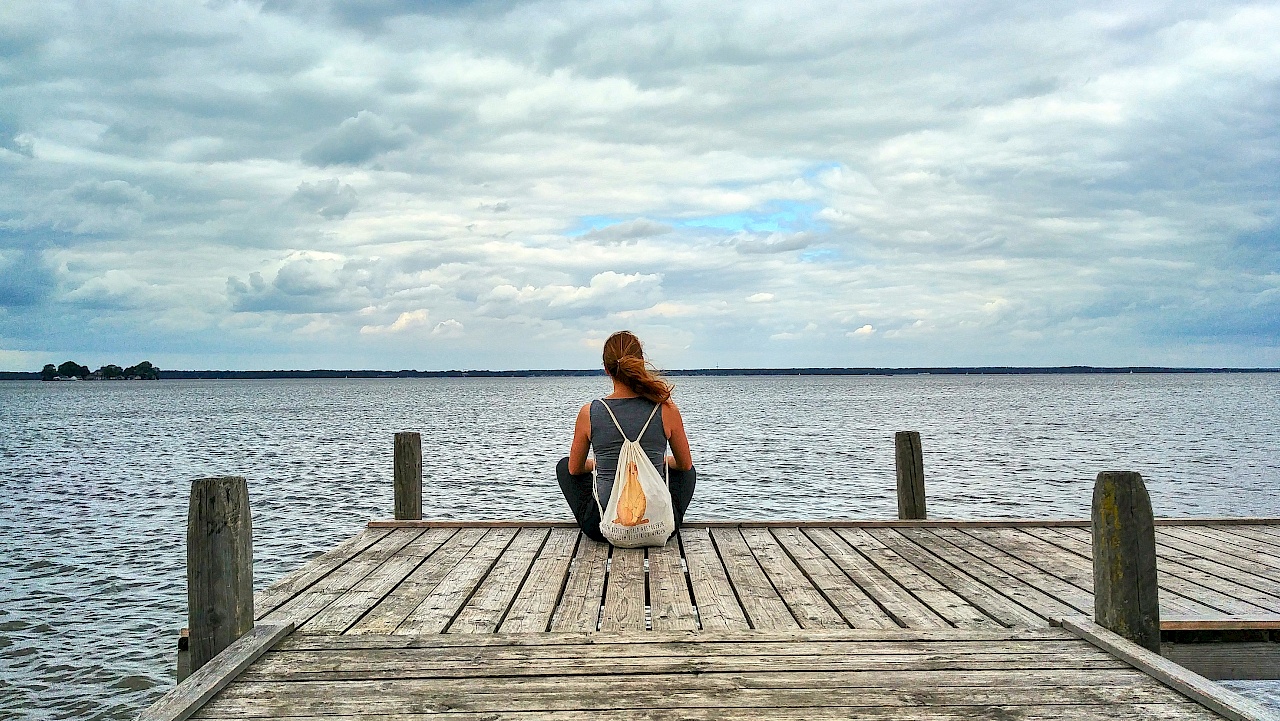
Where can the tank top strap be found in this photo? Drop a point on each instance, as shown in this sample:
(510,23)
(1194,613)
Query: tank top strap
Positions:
(618,425)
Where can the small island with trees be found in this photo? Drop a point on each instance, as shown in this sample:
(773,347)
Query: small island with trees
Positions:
(71,370)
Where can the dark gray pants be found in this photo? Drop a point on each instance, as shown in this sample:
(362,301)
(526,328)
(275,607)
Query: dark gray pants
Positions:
(582,501)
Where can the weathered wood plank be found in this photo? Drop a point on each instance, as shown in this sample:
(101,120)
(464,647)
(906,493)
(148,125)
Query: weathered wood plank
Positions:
(763,606)
(1228,589)
(807,604)
(1228,661)
(1228,596)
(579,608)
(415,664)
(1117,678)
(852,603)
(995,635)
(1257,543)
(438,609)
(418,586)
(1043,553)
(670,605)
(390,697)
(939,598)
(977,594)
(302,607)
(1178,595)
(1246,542)
(1265,539)
(531,611)
(1263,529)
(1217,698)
(623,608)
(203,683)
(717,604)
(1232,570)
(300,579)
(348,608)
(897,601)
(1080,545)
(1041,605)
(1063,592)
(429,654)
(1079,712)
(485,609)
(1070,551)
(1222,623)
(1239,564)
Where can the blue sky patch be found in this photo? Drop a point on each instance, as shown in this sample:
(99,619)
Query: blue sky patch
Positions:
(821,255)
(779,216)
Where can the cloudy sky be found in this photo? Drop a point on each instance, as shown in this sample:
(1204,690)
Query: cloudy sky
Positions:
(435,185)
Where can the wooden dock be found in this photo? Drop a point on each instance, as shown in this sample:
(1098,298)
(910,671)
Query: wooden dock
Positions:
(877,620)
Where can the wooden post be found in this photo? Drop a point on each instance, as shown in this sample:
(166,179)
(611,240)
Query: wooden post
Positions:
(408,476)
(184,655)
(219,566)
(910,462)
(1125,594)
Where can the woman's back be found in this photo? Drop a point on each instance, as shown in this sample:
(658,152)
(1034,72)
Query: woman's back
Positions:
(639,396)
(606,442)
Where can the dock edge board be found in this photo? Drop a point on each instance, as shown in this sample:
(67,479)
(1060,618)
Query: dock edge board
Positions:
(1212,696)
(187,697)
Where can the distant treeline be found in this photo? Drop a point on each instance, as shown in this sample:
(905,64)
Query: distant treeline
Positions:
(70,370)
(568,372)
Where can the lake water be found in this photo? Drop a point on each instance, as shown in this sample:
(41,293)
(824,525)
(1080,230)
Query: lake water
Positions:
(94,478)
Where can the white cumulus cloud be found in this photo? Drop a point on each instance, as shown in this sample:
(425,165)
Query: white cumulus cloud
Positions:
(407,320)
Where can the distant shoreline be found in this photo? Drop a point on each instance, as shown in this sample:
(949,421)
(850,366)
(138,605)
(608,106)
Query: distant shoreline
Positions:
(571,373)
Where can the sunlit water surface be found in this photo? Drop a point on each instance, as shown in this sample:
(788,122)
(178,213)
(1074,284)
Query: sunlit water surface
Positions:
(94,478)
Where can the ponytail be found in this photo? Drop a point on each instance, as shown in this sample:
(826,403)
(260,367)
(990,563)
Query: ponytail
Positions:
(624,361)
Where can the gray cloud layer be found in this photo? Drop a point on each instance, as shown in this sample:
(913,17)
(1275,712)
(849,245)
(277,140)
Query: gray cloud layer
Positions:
(393,184)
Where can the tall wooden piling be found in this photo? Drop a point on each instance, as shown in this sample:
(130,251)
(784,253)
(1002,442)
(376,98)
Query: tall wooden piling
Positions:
(1125,594)
(219,566)
(408,476)
(909,459)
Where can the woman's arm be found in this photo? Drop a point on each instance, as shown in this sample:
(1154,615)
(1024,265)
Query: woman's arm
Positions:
(680,458)
(578,461)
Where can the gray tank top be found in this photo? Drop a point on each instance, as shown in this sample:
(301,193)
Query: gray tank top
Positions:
(606,443)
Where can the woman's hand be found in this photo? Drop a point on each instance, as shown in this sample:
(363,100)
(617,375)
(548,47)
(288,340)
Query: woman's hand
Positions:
(589,466)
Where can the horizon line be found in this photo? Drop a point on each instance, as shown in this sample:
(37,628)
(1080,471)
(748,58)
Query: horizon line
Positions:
(214,374)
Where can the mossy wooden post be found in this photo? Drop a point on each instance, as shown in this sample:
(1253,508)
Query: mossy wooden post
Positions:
(1125,593)
(408,476)
(910,462)
(219,566)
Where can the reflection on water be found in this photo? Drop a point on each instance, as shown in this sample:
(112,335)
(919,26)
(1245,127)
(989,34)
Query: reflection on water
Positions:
(94,478)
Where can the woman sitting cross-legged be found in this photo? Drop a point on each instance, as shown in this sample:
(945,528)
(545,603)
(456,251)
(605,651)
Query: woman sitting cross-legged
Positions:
(640,408)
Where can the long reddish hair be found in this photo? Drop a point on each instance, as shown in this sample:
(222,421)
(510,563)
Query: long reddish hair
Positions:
(624,360)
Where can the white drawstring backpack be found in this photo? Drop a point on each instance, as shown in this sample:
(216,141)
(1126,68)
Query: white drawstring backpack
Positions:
(639,512)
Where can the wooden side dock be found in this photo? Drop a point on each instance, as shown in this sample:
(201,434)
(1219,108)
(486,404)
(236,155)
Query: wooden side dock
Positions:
(887,619)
